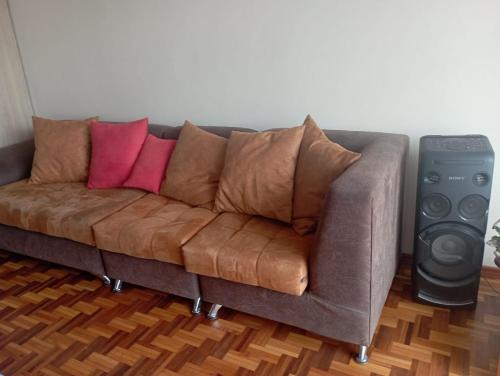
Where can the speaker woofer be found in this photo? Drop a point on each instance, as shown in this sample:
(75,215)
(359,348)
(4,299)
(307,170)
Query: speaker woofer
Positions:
(473,207)
(449,249)
(436,206)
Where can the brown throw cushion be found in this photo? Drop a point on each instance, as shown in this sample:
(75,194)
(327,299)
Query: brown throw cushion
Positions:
(258,173)
(320,162)
(62,151)
(195,167)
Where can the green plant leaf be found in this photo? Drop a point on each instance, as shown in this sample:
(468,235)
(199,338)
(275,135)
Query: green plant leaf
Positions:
(494,242)
(496,226)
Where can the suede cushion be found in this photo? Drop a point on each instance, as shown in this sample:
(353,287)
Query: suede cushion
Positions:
(66,210)
(258,173)
(115,148)
(320,162)
(154,227)
(62,150)
(195,167)
(251,250)
(149,169)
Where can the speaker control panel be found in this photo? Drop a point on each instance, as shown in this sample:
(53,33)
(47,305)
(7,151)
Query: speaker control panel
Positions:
(479,179)
(472,143)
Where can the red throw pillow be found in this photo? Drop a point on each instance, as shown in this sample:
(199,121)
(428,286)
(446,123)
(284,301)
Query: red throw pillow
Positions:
(149,169)
(115,148)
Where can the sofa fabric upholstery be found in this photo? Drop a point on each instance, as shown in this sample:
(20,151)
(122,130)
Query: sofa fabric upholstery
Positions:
(153,227)
(62,150)
(320,162)
(250,250)
(15,161)
(307,311)
(172,132)
(162,276)
(259,172)
(359,232)
(195,167)
(65,210)
(49,248)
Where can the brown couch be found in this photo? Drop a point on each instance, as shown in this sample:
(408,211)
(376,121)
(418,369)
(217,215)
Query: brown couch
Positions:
(334,282)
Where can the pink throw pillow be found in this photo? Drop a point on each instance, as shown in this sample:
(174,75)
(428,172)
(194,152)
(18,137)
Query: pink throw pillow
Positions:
(115,148)
(149,169)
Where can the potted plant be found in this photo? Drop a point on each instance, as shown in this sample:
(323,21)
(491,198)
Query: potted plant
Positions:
(495,242)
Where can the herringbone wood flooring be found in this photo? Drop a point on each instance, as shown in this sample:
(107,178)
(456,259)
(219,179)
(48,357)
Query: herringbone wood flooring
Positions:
(57,321)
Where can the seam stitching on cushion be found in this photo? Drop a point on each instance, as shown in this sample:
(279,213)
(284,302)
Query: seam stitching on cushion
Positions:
(150,215)
(258,261)
(196,233)
(222,245)
(109,215)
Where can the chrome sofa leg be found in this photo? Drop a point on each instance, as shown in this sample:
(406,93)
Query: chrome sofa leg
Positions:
(118,285)
(362,357)
(106,280)
(212,315)
(196,306)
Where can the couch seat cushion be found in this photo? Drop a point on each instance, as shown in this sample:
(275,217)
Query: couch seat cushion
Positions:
(154,227)
(251,250)
(65,210)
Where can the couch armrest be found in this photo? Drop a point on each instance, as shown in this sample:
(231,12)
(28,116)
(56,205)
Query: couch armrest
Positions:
(358,238)
(15,161)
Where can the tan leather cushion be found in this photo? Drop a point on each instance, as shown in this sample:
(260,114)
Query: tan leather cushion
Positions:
(258,173)
(194,170)
(320,162)
(62,150)
(65,210)
(251,250)
(154,227)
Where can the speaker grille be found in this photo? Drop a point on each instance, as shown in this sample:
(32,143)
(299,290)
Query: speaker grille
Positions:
(436,206)
(473,207)
(449,249)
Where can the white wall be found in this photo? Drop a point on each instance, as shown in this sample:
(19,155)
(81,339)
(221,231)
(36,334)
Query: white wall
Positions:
(414,67)
(15,106)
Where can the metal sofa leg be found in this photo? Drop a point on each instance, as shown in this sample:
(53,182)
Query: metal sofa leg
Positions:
(196,306)
(212,315)
(106,280)
(118,285)
(362,356)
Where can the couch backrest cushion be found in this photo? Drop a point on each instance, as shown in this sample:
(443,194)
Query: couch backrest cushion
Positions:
(320,162)
(258,173)
(62,150)
(195,167)
(352,140)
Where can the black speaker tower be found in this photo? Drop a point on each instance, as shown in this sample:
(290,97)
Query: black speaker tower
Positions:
(453,194)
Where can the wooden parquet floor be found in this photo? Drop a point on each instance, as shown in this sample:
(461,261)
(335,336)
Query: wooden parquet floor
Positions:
(57,321)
